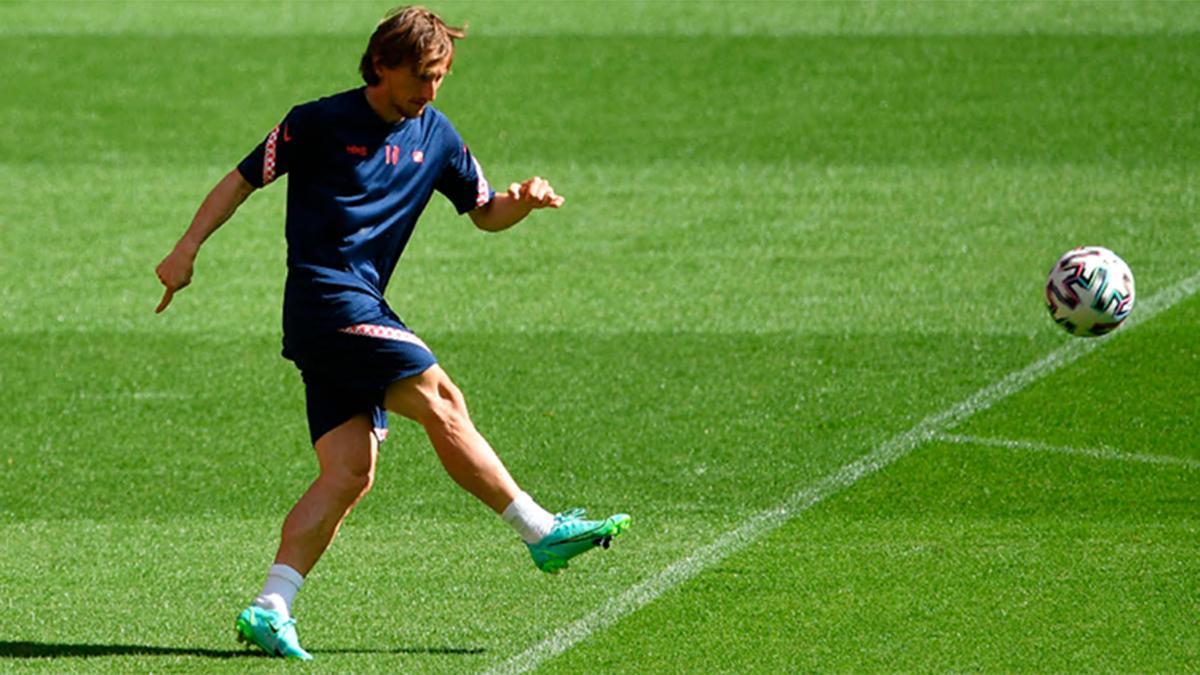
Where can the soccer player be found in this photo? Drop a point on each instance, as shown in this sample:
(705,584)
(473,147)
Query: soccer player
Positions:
(363,164)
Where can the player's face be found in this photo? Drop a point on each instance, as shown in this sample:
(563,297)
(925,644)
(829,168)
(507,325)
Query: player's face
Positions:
(410,89)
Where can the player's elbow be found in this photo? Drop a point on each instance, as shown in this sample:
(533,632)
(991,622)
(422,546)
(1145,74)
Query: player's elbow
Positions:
(485,219)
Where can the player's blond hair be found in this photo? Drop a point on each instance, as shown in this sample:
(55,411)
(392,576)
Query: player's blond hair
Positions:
(409,35)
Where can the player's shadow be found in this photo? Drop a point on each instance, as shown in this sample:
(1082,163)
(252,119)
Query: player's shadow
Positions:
(36,650)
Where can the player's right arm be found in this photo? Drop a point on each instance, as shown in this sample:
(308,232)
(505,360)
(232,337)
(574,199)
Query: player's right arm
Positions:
(267,162)
(175,271)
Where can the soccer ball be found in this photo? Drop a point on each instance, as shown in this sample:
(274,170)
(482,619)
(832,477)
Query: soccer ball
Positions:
(1090,291)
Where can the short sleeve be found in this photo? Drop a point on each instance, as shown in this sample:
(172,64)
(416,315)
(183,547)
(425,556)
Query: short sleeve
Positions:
(462,180)
(275,155)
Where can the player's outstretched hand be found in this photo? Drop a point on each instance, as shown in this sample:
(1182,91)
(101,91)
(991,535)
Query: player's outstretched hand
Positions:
(537,193)
(175,273)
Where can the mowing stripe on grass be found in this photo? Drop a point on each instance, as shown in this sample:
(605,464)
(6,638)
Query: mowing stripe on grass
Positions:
(1095,453)
(887,453)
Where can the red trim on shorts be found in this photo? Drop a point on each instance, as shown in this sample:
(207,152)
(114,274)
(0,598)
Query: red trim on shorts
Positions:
(385,333)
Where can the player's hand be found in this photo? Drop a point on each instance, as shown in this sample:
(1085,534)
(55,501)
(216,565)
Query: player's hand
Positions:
(175,273)
(536,193)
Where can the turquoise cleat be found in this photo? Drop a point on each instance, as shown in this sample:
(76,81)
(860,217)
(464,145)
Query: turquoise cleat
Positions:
(573,535)
(277,637)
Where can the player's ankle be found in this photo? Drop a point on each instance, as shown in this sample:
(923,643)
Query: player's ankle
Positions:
(529,519)
(282,585)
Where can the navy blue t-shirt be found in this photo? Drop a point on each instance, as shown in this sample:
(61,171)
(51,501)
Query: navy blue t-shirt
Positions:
(357,186)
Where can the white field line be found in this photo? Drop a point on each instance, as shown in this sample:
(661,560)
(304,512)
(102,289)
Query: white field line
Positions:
(891,450)
(1097,453)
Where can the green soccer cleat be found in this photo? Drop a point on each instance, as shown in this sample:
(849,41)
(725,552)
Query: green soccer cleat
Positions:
(573,535)
(277,637)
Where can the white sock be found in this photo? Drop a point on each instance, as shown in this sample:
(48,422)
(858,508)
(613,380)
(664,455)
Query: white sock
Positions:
(283,583)
(530,521)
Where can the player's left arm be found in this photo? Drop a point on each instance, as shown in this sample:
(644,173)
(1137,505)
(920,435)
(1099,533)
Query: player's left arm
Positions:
(509,208)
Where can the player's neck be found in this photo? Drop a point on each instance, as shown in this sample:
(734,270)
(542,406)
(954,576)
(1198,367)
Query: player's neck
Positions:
(377,98)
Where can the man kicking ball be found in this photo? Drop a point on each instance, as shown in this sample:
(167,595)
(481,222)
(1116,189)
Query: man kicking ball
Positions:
(363,165)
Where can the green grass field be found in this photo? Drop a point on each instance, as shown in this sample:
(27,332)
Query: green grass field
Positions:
(802,243)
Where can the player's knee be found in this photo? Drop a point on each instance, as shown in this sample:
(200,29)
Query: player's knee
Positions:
(349,486)
(446,408)
(434,402)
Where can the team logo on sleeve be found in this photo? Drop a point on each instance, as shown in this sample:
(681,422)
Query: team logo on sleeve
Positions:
(418,156)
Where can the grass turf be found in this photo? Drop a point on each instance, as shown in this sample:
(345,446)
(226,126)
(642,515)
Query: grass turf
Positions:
(793,232)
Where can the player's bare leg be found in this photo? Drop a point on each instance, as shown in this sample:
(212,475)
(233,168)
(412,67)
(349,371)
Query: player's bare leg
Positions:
(346,456)
(433,401)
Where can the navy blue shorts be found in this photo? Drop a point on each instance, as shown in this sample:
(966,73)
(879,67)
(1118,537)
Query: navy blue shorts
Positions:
(346,373)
